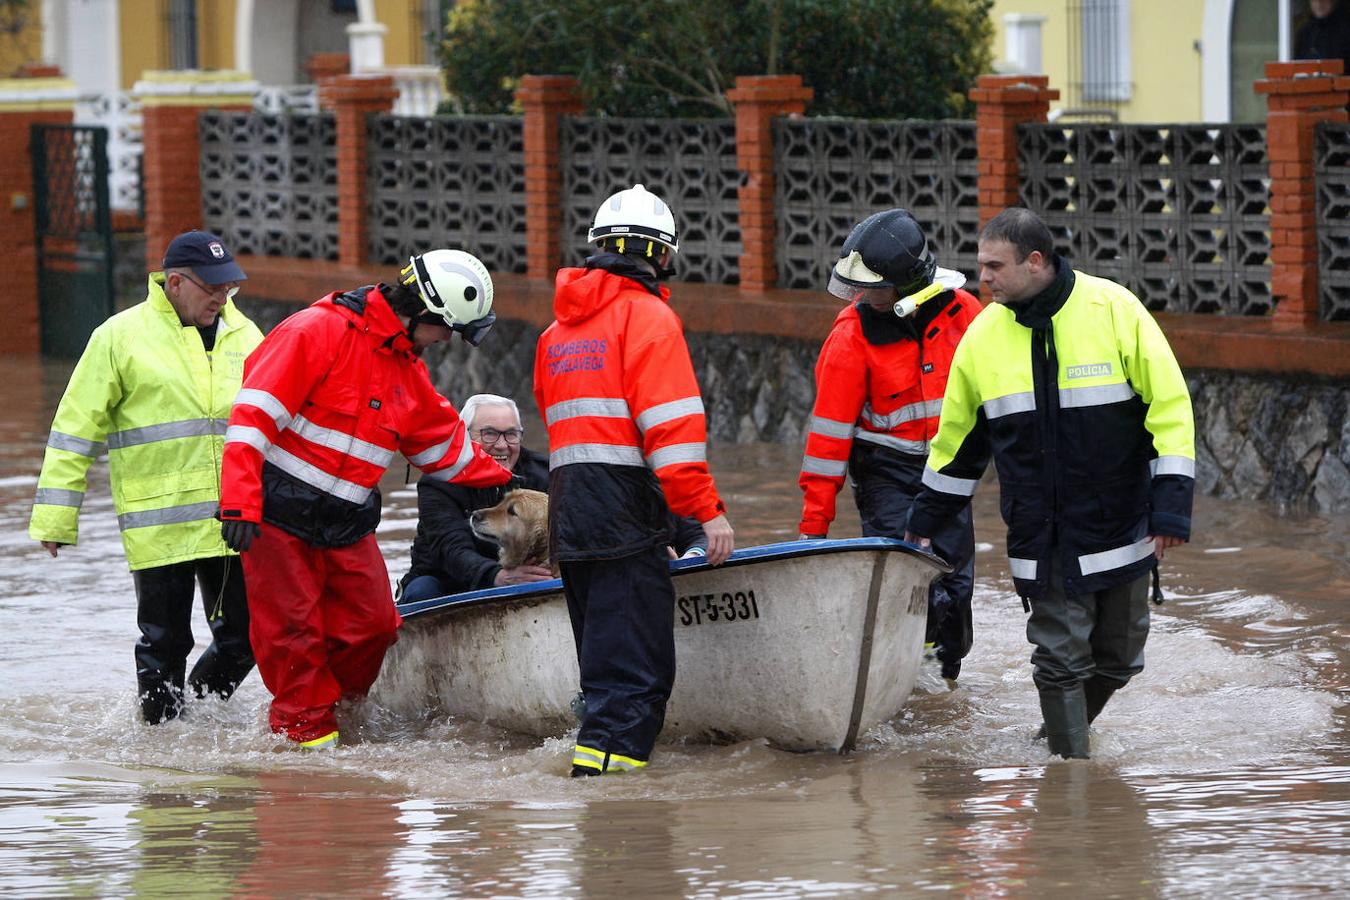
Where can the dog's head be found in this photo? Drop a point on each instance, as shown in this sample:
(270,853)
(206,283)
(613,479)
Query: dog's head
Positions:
(519,527)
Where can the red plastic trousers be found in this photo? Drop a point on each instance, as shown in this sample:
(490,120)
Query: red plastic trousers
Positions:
(320,621)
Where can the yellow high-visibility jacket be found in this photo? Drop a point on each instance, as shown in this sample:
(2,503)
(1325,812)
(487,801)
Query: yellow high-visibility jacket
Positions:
(1088,420)
(148,393)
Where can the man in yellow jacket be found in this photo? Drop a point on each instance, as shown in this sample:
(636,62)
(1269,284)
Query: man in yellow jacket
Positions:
(153,390)
(1070,386)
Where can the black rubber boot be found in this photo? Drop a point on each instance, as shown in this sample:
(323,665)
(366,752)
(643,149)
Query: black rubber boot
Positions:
(1066,724)
(1096,691)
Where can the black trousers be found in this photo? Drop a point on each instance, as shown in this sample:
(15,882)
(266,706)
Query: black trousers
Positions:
(164,614)
(623,621)
(883,505)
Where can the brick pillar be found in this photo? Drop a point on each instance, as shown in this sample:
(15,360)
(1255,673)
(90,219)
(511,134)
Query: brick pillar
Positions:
(545,99)
(1298,96)
(171,180)
(24,102)
(352,98)
(758,100)
(1002,102)
(327,65)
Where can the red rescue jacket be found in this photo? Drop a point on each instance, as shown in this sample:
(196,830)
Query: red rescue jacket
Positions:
(879,379)
(329,397)
(613,379)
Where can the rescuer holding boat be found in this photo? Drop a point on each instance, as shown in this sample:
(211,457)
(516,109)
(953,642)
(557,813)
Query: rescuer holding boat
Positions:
(331,395)
(1069,383)
(153,389)
(613,379)
(879,384)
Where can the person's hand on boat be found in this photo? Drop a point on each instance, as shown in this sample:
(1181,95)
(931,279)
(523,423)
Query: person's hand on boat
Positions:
(1161,542)
(921,542)
(53,546)
(238,534)
(721,539)
(521,575)
(810,537)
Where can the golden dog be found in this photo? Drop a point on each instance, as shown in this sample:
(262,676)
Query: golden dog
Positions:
(519,526)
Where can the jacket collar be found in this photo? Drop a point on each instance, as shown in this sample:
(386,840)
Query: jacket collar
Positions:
(1037,311)
(368,306)
(159,302)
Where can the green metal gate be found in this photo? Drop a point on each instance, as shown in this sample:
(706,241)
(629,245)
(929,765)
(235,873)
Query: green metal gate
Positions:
(74,234)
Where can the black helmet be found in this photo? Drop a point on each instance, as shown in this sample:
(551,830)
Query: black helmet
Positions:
(885,256)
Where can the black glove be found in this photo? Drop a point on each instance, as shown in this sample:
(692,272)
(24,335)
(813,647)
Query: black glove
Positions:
(238,534)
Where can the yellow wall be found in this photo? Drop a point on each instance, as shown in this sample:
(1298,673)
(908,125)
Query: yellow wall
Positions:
(23,47)
(1165,66)
(144,43)
(403,40)
(215,34)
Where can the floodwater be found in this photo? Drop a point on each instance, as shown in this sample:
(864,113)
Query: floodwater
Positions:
(1223,770)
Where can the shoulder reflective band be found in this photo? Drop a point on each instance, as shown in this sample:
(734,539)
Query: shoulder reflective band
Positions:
(947,484)
(831,427)
(60,441)
(1012,403)
(667,412)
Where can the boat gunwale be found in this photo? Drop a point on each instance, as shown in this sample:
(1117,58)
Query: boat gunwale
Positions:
(763,553)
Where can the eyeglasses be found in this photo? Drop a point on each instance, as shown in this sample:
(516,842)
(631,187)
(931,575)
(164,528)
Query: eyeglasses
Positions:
(218,291)
(489,436)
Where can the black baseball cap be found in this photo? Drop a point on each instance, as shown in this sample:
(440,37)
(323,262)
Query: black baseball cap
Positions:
(206,255)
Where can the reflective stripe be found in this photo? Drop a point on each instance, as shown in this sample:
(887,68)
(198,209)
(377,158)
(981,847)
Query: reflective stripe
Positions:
(924,409)
(321,742)
(587,406)
(342,442)
(317,478)
(695,452)
(165,431)
(1098,395)
(267,403)
(947,484)
(465,457)
(815,465)
(1006,406)
(247,434)
(433,453)
(1118,558)
(59,497)
(895,443)
(591,758)
(1023,568)
(60,441)
(831,427)
(1172,465)
(611,454)
(169,515)
(624,763)
(667,412)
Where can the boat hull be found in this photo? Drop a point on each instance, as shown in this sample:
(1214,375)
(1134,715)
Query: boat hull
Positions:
(805,644)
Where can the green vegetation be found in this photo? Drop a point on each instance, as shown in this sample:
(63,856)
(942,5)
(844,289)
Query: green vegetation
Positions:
(864,58)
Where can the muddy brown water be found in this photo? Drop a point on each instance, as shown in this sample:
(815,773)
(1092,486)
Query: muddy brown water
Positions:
(1223,770)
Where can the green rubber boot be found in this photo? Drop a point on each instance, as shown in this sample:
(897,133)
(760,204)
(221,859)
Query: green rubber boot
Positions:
(1066,722)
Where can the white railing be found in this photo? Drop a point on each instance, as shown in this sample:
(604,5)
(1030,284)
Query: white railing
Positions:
(281,98)
(419,89)
(120,113)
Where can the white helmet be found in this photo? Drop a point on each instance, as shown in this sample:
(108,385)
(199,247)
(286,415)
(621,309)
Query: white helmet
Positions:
(453,284)
(635,213)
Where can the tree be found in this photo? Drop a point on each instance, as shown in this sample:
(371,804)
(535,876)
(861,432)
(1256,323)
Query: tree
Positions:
(864,58)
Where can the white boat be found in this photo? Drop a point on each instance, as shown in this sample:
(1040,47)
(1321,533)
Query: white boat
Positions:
(808,644)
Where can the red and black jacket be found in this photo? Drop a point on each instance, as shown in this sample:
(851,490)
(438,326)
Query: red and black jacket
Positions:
(879,385)
(329,397)
(626,428)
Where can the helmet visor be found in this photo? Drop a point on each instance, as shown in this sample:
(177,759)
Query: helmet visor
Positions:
(879,294)
(473,332)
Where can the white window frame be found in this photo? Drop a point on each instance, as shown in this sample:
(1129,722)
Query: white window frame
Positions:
(1107,77)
